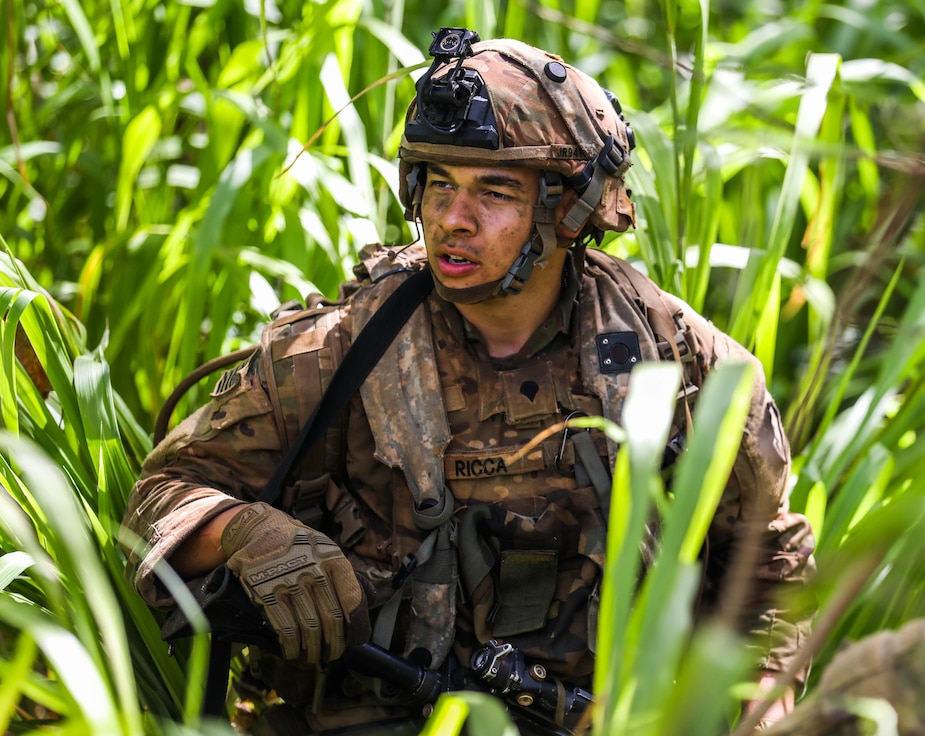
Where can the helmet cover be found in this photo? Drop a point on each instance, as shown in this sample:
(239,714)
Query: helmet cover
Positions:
(506,103)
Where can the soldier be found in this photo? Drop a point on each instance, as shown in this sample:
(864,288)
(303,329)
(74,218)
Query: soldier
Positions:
(412,511)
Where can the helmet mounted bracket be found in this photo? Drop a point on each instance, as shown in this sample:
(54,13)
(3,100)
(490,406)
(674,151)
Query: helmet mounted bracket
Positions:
(453,109)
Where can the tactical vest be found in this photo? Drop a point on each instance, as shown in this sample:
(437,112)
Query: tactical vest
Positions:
(528,530)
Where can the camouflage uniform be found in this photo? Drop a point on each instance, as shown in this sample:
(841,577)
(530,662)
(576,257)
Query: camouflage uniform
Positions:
(886,670)
(438,412)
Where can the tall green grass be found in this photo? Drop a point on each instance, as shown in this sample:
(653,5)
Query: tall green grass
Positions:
(75,639)
(156,204)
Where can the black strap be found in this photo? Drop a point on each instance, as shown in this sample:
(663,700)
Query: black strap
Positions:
(216,692)
(366,350)
(362,356)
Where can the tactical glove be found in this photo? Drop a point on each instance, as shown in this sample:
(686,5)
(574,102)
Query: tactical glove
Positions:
(301,580)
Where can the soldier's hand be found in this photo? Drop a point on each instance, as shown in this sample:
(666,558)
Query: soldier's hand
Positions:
(301,580)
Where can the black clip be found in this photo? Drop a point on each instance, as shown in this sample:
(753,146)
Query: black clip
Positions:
(404,571)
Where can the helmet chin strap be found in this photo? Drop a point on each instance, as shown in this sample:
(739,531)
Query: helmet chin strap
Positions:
(535,252)
(469,294)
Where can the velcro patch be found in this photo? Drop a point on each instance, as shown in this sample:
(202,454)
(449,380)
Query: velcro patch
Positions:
(475,465)
(303,342)
(229,381)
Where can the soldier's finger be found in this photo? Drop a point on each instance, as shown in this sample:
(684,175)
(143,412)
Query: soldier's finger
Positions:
(344,581)
(352,599)
(283,622)
(308,622)
(331,615)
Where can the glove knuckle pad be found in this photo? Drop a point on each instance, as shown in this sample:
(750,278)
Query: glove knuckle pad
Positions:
(300,578)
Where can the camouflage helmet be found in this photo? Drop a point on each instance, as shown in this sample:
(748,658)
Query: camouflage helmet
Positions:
(503,102)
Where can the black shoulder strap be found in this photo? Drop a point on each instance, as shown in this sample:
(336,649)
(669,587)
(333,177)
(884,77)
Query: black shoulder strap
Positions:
(362,356)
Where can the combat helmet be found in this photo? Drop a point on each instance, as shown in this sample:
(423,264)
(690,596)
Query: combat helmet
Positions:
(503,102)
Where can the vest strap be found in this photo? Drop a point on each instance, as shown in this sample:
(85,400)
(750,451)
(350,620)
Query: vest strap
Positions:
(590,470)
(388,614)
(360,359)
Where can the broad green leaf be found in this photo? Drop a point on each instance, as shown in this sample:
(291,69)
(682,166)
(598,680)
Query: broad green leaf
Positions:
(821,73)
(140,136)
(477,712)
(12,565)
(92,702)
(12,675)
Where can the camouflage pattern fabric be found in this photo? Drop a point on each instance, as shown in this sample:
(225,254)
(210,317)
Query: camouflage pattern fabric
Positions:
(438,410)
(883,673)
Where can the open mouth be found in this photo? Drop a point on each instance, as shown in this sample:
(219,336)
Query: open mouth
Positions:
(457,260)
(454,261)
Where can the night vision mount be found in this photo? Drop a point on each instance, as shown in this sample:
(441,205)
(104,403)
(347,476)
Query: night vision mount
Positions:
(453,109)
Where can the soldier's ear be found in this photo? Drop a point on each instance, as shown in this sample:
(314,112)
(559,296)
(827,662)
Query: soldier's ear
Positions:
(569,197)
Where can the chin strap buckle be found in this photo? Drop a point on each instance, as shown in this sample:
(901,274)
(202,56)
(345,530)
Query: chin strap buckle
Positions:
(520,270)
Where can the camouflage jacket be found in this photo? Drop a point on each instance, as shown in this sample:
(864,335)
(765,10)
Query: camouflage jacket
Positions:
(438,412)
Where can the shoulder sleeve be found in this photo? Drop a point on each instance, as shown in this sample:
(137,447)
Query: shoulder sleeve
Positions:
(754,519)
(223,454)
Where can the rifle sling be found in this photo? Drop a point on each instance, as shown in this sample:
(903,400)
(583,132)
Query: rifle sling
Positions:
(362,356)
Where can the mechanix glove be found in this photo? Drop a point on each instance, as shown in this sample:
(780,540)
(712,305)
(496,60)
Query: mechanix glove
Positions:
(301,580)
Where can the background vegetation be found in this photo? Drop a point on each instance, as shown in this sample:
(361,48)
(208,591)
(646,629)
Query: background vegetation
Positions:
(156,204)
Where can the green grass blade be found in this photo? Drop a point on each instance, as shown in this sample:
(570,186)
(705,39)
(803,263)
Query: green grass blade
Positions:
(141,134)
(647,414)
(821,73)
(13,303)
(663,616)
(697,705)
(94,609)
(92,703)
(84,32)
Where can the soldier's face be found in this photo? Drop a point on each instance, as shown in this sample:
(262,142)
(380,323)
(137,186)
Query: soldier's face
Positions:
(476,219)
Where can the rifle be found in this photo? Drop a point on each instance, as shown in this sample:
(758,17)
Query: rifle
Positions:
(539,705)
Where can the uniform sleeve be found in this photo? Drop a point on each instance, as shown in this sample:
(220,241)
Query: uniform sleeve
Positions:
(759,554)
(217,458)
